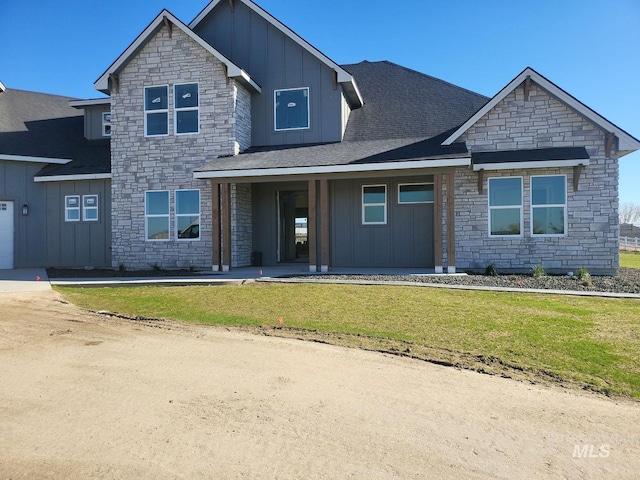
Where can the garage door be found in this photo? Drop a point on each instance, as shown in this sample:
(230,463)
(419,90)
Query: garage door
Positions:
(6,235)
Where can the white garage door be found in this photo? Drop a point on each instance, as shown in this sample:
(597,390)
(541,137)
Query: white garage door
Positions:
(6,235)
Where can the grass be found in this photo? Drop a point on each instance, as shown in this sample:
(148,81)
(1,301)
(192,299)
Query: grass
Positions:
(630,259)
(589,342)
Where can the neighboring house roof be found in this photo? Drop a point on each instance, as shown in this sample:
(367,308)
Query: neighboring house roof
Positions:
(627,143)
(403,103)
(343,77)
(233,71)
(629,230)
(37,127)
(405,118)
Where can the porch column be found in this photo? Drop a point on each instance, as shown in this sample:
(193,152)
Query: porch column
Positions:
(225,224)
(437,223)
(324,226)
(215,226)
(451,222)
(312,229)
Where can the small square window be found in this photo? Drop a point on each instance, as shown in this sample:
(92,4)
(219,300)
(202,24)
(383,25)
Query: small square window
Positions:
(90,208)
(291,109)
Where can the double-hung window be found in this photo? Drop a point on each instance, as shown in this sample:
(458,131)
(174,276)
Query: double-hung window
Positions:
(157,215)
(374,204)
(156,111)
(505,206)
(72,208)
(187,112)
(549,205)
(291,109)
(90,208)
(188,214)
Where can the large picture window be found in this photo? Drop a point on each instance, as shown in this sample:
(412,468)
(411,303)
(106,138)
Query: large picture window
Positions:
(156,111)
(505,206)
(187,111)
(157,215)
(291,109)
(549,205)
(188,214)
(374,204)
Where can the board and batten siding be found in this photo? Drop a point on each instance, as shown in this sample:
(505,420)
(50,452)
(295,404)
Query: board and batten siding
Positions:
(42,238)
(406,240)
(274,61)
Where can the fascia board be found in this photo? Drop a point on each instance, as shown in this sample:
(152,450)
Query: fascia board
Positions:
(68,178)
(329,169)
(25,158)
(89,102)
(626,141)
(528,165)
(232,69)
(343,75)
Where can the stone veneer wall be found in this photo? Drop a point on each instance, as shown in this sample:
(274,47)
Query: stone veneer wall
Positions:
(592,210)
(139,163)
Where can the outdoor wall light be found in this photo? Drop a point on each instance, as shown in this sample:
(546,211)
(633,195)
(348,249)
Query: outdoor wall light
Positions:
(25,209)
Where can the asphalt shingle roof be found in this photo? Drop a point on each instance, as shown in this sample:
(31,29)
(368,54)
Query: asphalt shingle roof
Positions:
(41,125)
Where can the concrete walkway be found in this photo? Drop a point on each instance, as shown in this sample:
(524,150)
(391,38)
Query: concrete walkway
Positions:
(24,280)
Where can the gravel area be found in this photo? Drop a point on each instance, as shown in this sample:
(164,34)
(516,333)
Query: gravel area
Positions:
(627,281)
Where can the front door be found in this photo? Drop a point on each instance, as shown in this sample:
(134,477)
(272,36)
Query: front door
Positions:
(293,210)
(6,235)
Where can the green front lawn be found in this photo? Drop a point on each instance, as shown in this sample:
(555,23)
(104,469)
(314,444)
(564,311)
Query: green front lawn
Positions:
(630,259)
(591,342)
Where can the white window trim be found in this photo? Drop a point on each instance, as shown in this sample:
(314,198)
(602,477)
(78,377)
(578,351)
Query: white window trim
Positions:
(414,183)
(564,205)
(374,204)
(505,207)
(275,119)
(67,209)
(177,215)
(167,215)
(185,109)
(105,124)
(85,208)
(146,112)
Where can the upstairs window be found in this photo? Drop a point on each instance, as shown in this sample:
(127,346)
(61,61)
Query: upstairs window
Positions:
(291,109)
(72,208)
(374,204)
(188,214)
(505,206)
(548,205)
(187,111)
(106,124)
(156,111)
(90,208)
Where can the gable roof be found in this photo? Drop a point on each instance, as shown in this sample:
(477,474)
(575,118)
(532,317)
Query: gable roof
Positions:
(627,143)
(403,103)
(343,77)
(233,71)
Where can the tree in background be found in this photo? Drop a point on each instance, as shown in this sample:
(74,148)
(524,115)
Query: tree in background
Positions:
(629,212)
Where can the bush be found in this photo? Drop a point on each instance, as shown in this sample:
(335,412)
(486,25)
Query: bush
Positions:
(584,276)
(491,270)
(538,271)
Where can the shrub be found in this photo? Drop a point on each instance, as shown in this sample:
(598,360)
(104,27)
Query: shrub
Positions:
(538,271)
(122,267)
(491,270)
(584,276)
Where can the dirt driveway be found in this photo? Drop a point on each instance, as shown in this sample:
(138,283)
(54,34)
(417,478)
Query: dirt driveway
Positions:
(85,396)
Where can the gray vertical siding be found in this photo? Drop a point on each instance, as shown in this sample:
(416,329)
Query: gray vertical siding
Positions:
(405,241)
(93,121)
(43,238)
(275,61)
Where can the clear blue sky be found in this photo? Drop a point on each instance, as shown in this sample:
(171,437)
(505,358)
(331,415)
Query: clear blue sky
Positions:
(590,48)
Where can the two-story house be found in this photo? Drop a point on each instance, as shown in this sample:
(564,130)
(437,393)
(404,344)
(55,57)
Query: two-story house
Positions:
(234,141)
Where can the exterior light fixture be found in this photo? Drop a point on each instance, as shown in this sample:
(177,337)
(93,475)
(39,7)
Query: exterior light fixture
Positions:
(25,209)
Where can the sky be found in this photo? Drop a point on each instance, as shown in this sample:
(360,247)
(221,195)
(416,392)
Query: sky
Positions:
(590,48)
